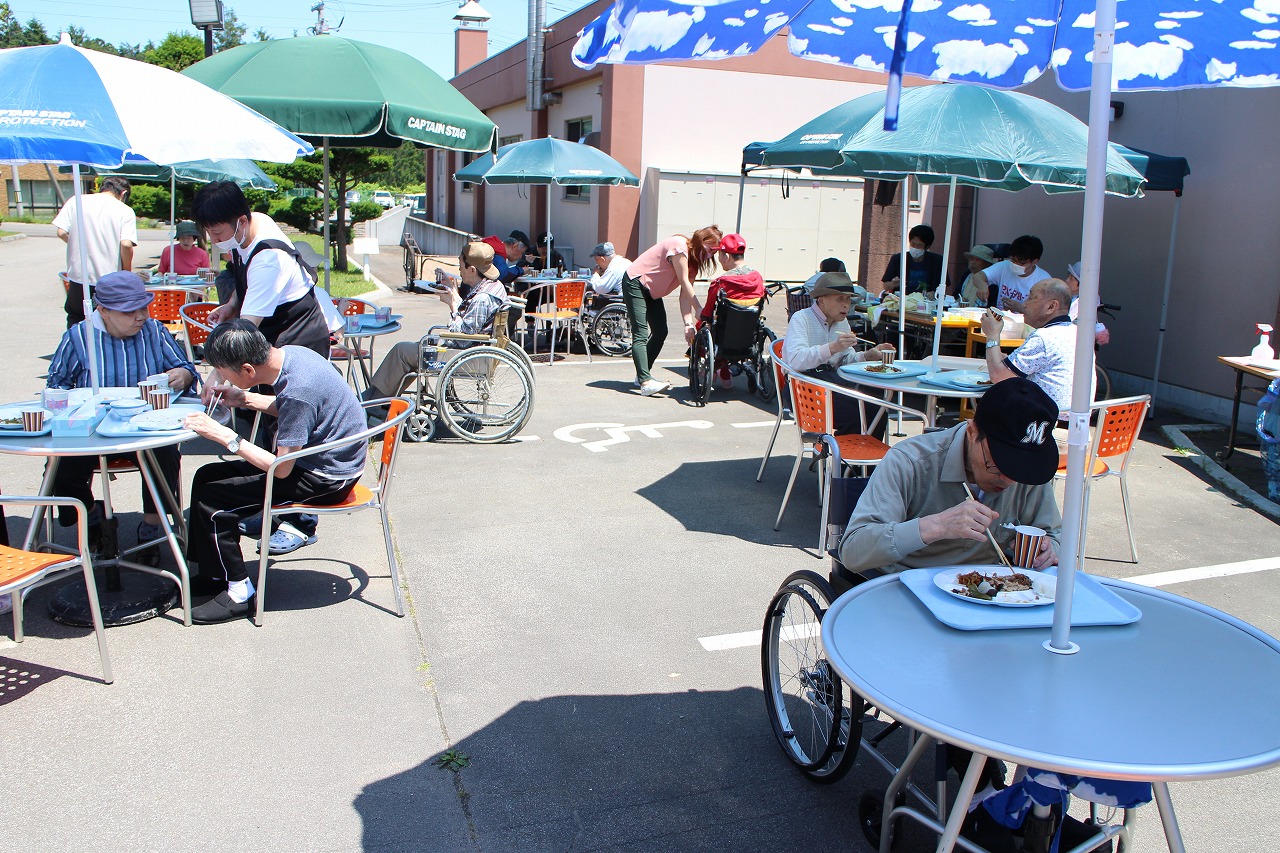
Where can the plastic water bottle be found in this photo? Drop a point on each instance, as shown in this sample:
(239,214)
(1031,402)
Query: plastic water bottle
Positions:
(1263,351)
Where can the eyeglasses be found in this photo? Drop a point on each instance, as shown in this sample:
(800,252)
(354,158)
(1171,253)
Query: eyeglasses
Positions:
(986,460)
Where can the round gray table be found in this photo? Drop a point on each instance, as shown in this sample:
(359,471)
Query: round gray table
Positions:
(125,597)
(1187,692)
(351,343)
(913,385)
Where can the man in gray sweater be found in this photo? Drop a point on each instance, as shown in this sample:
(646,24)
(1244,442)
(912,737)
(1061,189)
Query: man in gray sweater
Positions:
(916,513)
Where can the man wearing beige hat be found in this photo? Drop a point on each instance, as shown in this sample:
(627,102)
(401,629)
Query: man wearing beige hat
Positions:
(473,297)
(979,257)
(819,339)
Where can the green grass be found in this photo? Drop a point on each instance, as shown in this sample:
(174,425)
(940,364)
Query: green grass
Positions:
(350,283)
(29,219)
(7,233)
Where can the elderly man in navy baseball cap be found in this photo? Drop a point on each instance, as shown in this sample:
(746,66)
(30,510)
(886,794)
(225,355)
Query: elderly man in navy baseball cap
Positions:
(130,346)
(934,498)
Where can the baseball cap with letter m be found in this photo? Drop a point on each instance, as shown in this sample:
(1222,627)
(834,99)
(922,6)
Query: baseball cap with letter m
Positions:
(1017,417)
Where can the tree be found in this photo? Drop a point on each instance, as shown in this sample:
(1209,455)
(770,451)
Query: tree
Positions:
(232,32)
(176,52)
(262,35)
(406,170)
(14,34)
(347,167)
(82,39)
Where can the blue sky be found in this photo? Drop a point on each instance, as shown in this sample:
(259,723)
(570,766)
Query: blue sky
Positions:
(422,28)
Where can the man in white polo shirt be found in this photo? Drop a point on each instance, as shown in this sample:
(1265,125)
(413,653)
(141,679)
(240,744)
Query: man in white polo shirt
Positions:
(1048,356)
(109,235)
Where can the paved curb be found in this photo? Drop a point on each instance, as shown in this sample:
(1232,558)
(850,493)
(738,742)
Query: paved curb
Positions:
(13,237)
(1177,433)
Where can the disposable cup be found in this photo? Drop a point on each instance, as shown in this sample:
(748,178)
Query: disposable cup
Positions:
(1026,544)
(160,379)
(158,398)
(56,399)
(887,357)
(353,323)
(383,314)
(145,387)
(33,419)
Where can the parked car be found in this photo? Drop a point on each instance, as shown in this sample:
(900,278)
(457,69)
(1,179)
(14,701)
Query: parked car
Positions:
(384,198)
(352,196)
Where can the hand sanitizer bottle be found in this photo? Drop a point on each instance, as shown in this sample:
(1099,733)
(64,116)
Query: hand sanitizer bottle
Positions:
(1263,351)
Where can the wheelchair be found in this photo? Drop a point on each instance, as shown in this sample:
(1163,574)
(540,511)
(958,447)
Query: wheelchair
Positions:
(483,395)
(735,336)
(822,725)
(608,328)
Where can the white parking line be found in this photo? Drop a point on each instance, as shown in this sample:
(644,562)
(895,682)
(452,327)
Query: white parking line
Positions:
(743,639)
(1206,572)
(755,424)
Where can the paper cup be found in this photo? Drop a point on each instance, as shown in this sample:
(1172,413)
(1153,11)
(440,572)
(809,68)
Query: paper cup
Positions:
(33,419)
(383,314)
(158,398)
(209,276)
(56,399)
(161,380)
(1026,544)
(145,387)
(887,357)
(353,324)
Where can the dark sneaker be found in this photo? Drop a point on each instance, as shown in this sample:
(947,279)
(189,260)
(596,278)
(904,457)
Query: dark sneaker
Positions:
(221,609)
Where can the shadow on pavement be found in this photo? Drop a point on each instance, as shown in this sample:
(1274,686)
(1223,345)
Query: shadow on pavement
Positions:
(698,770)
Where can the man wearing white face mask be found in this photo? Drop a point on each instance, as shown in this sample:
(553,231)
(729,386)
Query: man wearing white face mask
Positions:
(1009,282)
(274,290)
(924,268)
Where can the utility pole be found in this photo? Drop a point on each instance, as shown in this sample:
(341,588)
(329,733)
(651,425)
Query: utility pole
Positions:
(322,26)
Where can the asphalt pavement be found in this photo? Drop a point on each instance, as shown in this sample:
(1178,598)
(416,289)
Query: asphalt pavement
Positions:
(547,689)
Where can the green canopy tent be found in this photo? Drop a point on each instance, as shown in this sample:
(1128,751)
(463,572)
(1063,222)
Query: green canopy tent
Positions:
(334,91)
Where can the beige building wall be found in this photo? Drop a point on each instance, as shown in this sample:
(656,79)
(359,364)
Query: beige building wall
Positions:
(1225,275)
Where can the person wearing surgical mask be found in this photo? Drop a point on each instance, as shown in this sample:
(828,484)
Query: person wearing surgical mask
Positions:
(1009,282)
(924,268)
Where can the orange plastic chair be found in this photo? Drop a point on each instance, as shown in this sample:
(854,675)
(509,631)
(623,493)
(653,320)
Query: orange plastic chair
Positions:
(196,328)
(348,307)
(167,307)
(569,297)
(362,497)
(22,571)
(1119,424)
(784,401)
(813,409)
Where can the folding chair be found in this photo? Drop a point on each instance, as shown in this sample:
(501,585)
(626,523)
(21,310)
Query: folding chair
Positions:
(22,571)
(362,497)
(784,401)
(1119,423)
(568,298)
(813,411)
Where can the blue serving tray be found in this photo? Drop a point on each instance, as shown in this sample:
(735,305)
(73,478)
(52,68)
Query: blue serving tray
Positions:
(1092,605)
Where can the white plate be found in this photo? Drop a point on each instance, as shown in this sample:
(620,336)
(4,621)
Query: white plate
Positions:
(1042,586)
(972,379)
(159,420)
(427,284)
(906,369)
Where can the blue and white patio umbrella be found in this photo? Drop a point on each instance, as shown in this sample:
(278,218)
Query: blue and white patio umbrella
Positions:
(62,104)
(1155,44)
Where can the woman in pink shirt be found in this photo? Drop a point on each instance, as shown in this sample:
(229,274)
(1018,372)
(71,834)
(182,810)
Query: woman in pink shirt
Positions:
(190,256)
(673,263)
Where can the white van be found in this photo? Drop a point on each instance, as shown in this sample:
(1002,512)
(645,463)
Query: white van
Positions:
(384,198)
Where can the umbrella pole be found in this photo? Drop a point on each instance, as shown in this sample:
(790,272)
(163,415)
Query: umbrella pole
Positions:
(328,257)
(87,286)
(551,247)
(1164,300)
(173,220)
(941,292)
(1069,558)
(742,185)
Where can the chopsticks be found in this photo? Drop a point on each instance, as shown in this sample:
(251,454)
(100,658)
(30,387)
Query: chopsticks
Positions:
(214,400)
(990,538)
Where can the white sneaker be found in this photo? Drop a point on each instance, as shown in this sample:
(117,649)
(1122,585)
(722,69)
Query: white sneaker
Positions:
(6,603)
(653,386)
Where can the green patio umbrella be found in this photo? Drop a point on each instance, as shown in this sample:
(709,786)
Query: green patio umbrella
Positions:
(548,161)
(955,134)
(337,91)
(243,172)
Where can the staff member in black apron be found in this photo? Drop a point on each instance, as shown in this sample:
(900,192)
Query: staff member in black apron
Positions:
(275,290)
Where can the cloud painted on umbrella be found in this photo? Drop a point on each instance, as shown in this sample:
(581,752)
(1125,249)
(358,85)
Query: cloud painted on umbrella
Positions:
(1161,44)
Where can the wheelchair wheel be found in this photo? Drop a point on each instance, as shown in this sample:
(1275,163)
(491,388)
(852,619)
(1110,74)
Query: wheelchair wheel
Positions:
(420,426)
(765,388)
(611,330)
(702,359)
(485,395)
(871,814)
(518,351)
(780,650)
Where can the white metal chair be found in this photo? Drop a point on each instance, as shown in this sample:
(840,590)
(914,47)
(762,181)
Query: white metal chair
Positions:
(362,497)
(783,391)
(22,571)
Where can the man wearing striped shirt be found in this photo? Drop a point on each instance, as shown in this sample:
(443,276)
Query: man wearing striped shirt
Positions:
(130,346)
